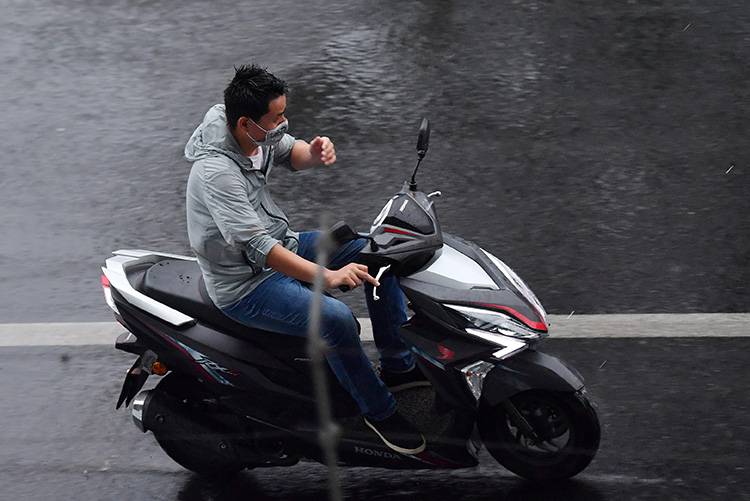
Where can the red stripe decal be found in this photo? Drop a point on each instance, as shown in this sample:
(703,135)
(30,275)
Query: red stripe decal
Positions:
(176,344)
(445,353)
(433,459)
(399,232)
(540,326)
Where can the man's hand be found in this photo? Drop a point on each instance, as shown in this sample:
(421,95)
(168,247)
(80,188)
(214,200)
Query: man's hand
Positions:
(352,275)
(322,150)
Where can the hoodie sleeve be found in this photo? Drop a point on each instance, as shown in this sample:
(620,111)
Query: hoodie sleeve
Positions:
(282,154)
(239,224)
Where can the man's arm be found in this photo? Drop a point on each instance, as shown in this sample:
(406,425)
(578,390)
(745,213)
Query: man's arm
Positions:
(287,262)
(318,151)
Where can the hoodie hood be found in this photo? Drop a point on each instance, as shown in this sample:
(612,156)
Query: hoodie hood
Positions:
(212,138)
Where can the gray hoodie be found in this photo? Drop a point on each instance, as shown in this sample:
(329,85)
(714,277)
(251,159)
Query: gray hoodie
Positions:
(232,221)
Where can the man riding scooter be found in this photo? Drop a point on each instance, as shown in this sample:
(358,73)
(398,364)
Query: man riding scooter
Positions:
(257,270)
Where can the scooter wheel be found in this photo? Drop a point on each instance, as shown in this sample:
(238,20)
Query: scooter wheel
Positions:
(567,434)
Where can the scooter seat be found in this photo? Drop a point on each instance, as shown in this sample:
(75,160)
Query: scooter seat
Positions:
(179,284)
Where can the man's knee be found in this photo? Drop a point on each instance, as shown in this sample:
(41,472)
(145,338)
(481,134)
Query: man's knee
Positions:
(338,325)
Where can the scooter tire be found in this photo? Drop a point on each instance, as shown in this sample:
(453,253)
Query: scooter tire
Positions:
(581,424)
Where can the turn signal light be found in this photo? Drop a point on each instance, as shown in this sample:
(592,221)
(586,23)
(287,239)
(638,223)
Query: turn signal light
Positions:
(158,368)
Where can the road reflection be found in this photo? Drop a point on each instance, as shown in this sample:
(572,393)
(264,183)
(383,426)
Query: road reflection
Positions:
(380,484)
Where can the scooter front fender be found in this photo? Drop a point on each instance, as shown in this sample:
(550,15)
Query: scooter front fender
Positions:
(529,370)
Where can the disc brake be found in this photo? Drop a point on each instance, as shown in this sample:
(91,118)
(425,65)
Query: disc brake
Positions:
(526,429)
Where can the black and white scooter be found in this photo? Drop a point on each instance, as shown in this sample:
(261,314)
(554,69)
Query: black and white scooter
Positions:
(232,399)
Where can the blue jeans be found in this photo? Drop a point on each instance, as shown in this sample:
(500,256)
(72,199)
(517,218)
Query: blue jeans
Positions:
(282,304)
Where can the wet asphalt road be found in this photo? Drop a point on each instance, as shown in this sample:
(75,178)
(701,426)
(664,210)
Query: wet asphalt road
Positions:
(586,144)
(589,145)
(674,415)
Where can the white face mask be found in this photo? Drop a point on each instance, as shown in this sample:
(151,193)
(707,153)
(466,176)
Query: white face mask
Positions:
(273,136)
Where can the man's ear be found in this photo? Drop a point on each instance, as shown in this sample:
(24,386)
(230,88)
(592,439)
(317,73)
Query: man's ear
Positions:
(241,123)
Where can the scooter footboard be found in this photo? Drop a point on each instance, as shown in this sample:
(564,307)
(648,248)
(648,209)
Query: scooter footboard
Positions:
(529,370)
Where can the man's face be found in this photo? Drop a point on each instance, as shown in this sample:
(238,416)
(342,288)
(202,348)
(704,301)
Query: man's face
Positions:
(274,117)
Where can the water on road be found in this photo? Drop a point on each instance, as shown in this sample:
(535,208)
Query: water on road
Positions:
(586,144)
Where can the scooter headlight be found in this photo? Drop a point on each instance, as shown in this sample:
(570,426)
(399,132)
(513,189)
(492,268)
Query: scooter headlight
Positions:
(495,321)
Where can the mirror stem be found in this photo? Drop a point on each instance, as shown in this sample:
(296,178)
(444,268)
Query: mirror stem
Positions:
(413,182)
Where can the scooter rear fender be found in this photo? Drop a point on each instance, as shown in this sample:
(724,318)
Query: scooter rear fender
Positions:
(529,370)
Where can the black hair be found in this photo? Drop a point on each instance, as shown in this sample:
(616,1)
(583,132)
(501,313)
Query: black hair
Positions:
(249,93)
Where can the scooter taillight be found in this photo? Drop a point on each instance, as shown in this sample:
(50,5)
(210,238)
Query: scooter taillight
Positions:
(108,294)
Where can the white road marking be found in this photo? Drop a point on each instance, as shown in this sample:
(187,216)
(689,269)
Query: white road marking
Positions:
(656,325)
(622,479)
(51,334)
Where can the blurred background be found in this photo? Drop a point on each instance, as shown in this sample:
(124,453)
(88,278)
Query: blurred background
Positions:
(599,149)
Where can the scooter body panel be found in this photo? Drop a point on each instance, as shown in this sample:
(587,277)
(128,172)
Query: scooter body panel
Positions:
(529,370)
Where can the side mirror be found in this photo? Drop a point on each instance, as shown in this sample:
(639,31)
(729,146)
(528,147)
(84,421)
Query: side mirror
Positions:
(342,233)
(424,138)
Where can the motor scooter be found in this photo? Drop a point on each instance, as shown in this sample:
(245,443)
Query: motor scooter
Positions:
(232,397)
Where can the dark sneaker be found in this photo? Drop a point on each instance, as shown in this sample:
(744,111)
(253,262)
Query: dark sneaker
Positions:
(398,434)
(397,381)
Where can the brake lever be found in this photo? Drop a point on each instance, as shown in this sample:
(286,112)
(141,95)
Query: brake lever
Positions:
(377,277)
